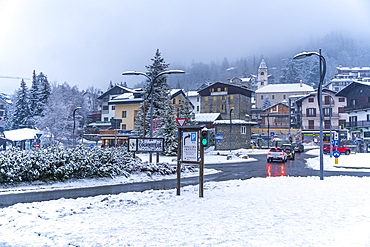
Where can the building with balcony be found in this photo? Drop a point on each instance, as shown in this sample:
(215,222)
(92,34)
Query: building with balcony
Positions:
(358,109)
(344,76)
(310,115)
(276,116)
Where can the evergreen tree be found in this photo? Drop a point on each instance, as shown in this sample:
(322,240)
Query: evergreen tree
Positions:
(45,92)
(110,85)
(266,103)
(34,97)
(162,105)
(186,111)
(21,113)
(290,73)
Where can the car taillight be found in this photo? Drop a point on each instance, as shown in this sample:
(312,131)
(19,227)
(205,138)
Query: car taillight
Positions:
(269,153)
(282,153)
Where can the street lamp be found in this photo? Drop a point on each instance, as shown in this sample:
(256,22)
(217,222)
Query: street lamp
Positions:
(152,79)
(74,125)
(319,97)
(331,138)
(232,108)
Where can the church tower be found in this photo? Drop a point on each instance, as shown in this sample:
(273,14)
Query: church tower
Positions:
(262,77)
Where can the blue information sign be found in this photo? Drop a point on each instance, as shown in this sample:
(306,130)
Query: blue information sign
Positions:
(92,146)
(272,133)
(336,154)
(218,140)
(336,143)
(355,142)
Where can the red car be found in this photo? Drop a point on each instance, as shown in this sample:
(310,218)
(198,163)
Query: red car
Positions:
(340,149)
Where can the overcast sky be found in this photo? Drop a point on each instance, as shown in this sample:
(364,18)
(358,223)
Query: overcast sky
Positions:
(91,42)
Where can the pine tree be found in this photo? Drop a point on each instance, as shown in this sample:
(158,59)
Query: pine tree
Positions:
(34,99)
(186,111)
(21,113)
(163,112)
(290,73)
(266,103)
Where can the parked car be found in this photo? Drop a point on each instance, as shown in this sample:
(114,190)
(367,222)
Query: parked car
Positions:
(289,150)
(298,147)
(340,148)
(276,154)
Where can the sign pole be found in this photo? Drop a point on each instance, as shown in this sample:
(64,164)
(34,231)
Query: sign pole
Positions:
(178,161)
(201,168)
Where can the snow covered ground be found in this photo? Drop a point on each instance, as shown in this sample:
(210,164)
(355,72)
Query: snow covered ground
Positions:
(275,211)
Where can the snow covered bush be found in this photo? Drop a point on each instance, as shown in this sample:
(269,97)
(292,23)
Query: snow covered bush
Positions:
(54,163)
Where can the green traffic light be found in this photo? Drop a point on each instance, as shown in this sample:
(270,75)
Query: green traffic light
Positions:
(204,142)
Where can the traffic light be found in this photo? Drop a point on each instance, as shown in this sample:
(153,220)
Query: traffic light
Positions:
(204,138)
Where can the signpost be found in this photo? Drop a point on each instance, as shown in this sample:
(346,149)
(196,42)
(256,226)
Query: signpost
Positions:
(336,155)
(191,151)
(92,146)
(150,145)
(190,146)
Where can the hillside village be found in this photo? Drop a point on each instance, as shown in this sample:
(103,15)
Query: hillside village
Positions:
(254,106)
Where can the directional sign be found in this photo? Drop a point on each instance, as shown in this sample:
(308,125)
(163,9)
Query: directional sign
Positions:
(92,146)
(181,121)
(336,143)
(190,146)
(355,142)
(336,154)
(272,133)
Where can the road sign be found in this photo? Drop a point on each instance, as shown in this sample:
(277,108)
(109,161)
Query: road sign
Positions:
(92,146)
(355,142)
(181,121)
(218,140)
(336,143)
(190,146)
(272,138)
(336,154)
(272,133)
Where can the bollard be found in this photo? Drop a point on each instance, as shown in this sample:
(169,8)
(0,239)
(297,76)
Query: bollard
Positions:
(336,161)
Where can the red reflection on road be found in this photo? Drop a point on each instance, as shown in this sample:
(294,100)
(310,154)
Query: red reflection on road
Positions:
(277,170)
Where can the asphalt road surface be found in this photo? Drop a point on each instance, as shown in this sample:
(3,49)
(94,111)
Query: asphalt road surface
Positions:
(229,171)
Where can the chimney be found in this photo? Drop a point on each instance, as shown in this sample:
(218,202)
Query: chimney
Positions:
(228,81)
(300,84)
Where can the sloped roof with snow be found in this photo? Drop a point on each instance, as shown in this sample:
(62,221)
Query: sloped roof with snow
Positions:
(237,121)
(21,134)
(206,117)
(285,88)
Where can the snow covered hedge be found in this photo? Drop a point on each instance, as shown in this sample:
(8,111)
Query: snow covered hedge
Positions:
(59,164)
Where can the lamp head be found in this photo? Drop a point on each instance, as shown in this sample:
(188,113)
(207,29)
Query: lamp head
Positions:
(305,54)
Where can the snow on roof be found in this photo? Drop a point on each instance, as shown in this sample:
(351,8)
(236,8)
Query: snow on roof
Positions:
(21,134)
(206,117)
(124,96)
(173,91)
(285,88)
(237,121)
(364,82)
(192,93)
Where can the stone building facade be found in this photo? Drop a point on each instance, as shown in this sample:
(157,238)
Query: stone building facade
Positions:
(240,134)
(221,97)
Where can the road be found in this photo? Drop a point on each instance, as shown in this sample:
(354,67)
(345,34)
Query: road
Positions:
(229,171)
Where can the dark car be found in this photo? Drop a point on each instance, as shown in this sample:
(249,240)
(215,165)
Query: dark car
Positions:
(298,147)
(289,149)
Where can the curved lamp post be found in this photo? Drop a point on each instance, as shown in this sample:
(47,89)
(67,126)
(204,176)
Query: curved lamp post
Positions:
(152,79)
(319,97)
(74,125)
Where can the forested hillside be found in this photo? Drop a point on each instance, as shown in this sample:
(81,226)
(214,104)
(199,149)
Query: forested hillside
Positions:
(337,50)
